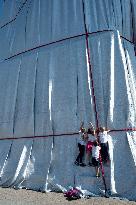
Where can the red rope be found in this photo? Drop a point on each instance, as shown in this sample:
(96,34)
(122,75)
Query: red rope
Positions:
(124,129)
(90,68)
(93,96)
(62,134)
(60,40)
(42,136)
(43,45)
(92,82)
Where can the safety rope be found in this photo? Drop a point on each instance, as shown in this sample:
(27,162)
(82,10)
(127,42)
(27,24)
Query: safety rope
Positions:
(90,69)
(58,41)
(42,136)
(90,33)
(63,134)
(93,95)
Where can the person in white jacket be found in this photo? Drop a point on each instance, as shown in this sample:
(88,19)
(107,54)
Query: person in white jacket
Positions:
(95,157)
(103,139)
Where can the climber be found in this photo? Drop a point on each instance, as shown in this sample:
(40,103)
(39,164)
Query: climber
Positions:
(90,140)
(103,139)
(95,157)
(82,139)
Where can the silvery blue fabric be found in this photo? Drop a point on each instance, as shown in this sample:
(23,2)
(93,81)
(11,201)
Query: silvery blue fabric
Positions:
(49,91)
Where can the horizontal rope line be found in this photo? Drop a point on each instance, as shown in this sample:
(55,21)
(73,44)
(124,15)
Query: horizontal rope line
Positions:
(42,45)
(132,42)
(125,129)
(128,40)
(58,41)
(44,136)
(62,134)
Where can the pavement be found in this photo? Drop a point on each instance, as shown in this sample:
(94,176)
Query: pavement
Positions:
(9,196)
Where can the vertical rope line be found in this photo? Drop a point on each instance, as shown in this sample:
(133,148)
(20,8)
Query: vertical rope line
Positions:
(93,92)
(90,69)
(133,27)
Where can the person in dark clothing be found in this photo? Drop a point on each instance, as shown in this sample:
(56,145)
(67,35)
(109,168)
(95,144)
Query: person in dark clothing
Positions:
(81,146)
